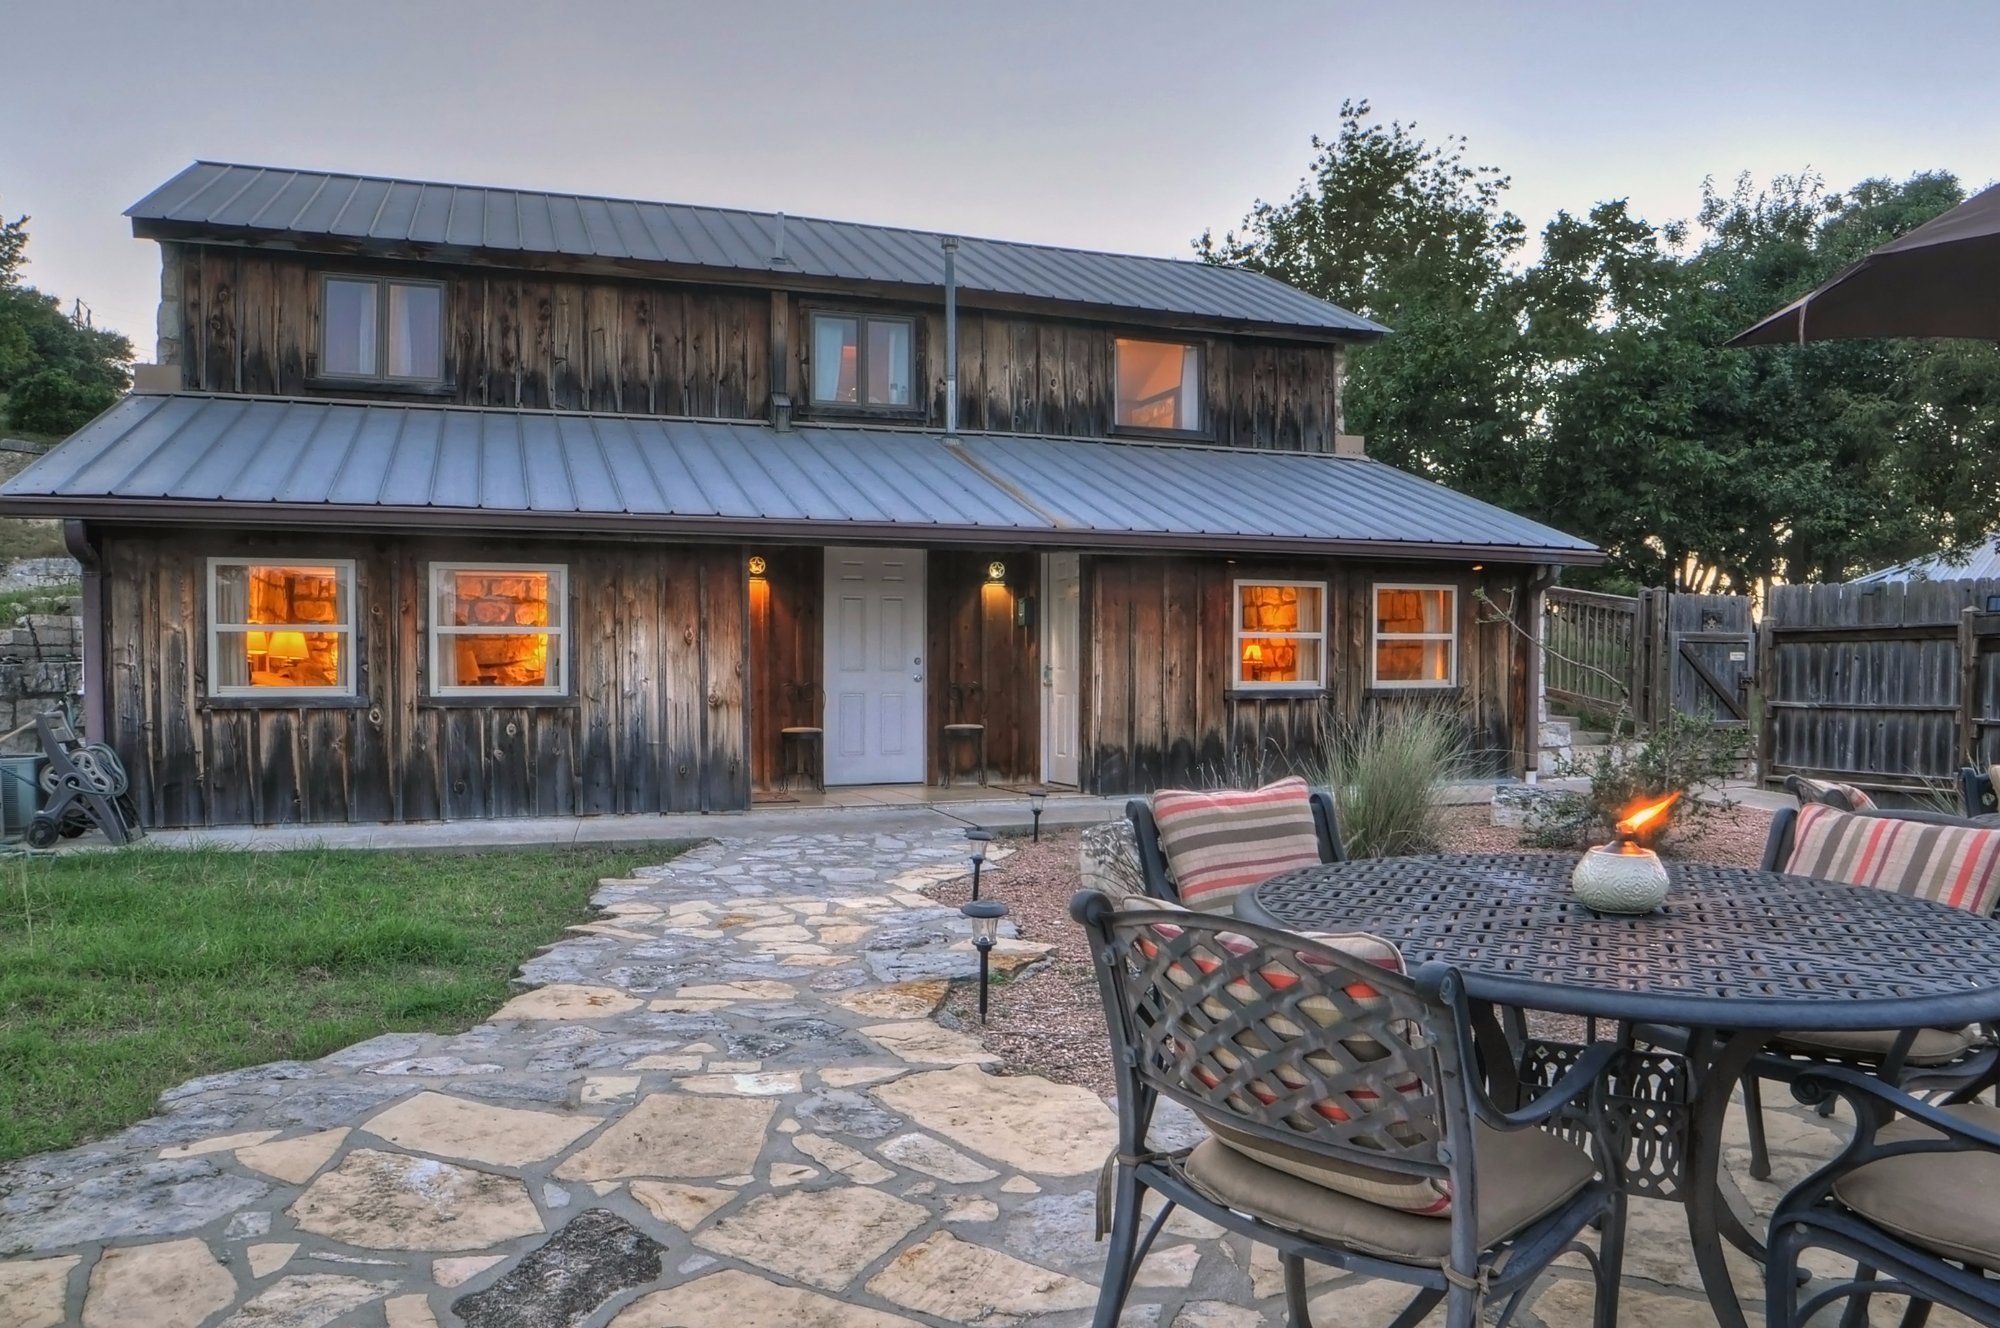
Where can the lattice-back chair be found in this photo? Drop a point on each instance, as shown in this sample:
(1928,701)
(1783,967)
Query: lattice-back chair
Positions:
(1948,858)
(1914,1200)
(1975,791)
(1348,1123)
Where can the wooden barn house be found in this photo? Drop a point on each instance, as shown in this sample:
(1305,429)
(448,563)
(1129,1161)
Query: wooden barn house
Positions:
(451,502)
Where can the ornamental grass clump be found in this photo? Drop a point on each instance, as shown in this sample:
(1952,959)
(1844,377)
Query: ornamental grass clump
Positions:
(1386,774)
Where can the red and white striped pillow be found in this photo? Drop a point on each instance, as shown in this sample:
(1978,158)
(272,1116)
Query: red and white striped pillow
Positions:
(1221,842)
(1948,864)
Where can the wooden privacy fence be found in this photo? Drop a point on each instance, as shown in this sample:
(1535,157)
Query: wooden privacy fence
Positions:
(1889,686)
(1650,655)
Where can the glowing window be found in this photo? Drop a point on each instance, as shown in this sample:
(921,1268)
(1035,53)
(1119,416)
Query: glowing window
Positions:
(863,362)
(279,629)
(1416,636)
(1159,385)
(497,629)
(1280,633)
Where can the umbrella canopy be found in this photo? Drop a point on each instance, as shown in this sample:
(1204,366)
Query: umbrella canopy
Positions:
(1940,280)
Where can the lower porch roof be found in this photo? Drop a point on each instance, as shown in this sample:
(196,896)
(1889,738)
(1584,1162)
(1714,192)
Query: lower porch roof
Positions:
(233,460)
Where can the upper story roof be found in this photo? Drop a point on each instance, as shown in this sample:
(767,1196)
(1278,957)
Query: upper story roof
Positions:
(222,200)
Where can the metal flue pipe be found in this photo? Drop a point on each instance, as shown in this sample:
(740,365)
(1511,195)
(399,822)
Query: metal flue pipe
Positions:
(950,245)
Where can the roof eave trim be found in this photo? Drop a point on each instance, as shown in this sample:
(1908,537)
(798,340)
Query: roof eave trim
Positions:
(223,513)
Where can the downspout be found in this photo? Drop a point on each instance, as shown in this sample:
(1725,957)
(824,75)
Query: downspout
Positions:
(950,245)
(76,538)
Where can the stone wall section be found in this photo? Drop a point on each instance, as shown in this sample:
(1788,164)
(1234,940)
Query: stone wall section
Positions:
(41,668)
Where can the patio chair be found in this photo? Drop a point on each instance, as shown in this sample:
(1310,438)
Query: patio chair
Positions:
(1975,791)
(1955,1063)
(1914,1200)
(1157,872)
(1348,1124)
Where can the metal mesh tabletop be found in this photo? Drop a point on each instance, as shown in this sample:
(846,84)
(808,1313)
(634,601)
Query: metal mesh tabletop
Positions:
(1731,948)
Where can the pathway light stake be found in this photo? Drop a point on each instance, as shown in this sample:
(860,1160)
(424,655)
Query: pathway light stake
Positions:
(985,915)
(977,839)
(1037,796)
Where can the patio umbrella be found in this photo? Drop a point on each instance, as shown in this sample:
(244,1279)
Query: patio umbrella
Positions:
(1940,280)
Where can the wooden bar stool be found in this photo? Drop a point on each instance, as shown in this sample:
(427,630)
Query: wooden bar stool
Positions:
(801,741)
(975,734)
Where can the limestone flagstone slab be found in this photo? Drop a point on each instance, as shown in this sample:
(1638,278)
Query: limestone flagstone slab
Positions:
(592,1260)
(900,1000)
(920,1152)
(850,1076)
(852,1163)
(676,1136)
(174,1284)
(295,1160)
(734,1299)
(33,1290)
(462,1269)
(219,1144)
(390,1201)
(306,1300)
(681,1205)
(449,1126)
(922,1042)
(768,1083)
(759,989)
(1024,1121)
(966,1283)
(408,1312)
(269,1258)
(566,1000)
(852,1226)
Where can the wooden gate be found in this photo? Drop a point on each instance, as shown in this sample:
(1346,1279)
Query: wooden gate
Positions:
(1702,657)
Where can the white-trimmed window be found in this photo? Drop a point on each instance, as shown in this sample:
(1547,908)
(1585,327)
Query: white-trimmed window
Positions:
(1280,634)
(380,329)
(498,629)
(1159,385)
(280,628)
(1416,636)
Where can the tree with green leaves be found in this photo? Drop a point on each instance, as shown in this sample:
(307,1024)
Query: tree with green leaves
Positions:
(57,370)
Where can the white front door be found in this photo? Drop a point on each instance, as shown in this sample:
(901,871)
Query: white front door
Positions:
(1061,601)
(874,666)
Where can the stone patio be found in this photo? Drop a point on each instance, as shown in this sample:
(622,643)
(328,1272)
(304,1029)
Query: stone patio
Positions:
(722,1102)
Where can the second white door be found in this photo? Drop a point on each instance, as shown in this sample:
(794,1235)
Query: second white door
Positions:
(874,666)
(1061,601)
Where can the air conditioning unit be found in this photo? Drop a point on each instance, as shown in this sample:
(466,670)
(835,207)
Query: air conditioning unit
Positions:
(20,792)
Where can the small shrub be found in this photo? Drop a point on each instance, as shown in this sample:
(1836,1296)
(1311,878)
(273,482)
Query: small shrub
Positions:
(1385,776)
(1687,755)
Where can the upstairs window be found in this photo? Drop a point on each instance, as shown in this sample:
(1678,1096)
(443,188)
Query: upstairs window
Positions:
(497,629)
(863,362)
(1280,634)
(383,330)
(1416,636)
(1159,385)
(280,629)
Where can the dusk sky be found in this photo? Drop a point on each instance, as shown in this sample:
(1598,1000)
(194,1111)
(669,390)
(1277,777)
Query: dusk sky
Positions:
(1115,126)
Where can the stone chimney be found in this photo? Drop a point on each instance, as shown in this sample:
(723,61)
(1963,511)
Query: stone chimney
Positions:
(1350,444)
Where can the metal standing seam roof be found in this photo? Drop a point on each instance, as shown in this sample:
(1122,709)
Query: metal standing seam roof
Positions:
(1979,563)
(221,196)
(226,459)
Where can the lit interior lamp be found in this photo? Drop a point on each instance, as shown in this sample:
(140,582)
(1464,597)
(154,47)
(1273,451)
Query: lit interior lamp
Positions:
(1253,658)
(256,643)
(287,647)
(985,915)
(1037,798)
(976,842)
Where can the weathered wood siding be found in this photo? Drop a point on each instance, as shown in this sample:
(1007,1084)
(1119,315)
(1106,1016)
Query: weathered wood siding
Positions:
(656,722)
(250,323)
(787,645)
(1160,708)
(983,668)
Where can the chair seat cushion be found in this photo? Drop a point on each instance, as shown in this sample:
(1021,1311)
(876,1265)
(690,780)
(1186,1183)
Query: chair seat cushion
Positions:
(1957,865)
(1932,1046)
(1523,1176)
(1947,1203)
(1220,843)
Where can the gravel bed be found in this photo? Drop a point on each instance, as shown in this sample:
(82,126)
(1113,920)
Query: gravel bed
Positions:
(1050,1020)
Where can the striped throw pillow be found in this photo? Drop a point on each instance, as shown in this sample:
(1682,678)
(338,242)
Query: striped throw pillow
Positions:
(1841,797)
(1220,843)
(1948,864)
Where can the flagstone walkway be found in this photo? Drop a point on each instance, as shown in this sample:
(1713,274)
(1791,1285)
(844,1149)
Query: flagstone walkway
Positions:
(723,1102)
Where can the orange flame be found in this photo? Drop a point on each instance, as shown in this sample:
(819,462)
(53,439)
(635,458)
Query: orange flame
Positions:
(1643,815)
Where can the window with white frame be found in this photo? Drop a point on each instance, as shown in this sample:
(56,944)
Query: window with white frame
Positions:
(1159,385)
(382,329)
(280,628)
(1416,636)
(1280,634)
(498,629)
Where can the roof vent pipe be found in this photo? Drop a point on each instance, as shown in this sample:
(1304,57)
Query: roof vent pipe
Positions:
(950,245)
(778,243)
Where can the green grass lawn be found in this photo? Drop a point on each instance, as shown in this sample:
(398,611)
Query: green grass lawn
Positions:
(123,974)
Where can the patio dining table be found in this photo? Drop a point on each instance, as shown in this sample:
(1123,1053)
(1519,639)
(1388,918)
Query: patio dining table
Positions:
(1734,957)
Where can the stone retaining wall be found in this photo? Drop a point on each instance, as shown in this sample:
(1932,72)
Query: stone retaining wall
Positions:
(41,668)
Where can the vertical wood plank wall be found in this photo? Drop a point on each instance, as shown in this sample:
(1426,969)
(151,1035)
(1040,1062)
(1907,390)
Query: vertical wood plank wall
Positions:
(565,341)
(658,720)
(1159,706)
(983,669)
(787,645)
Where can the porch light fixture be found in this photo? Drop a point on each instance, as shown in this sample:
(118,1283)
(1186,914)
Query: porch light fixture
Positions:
(976,842)
(985,916)
(996,571)
(1037,798)
(757,564)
